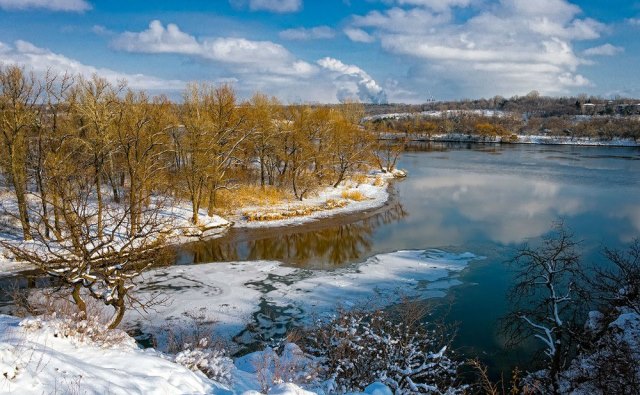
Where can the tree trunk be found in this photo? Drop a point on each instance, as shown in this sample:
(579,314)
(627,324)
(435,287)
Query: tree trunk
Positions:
(18,179)
(99,197)
(119,306)
(77,299)
(340,178)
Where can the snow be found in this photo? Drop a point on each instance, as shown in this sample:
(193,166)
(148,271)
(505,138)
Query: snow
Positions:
(177,214)
(522,139)
(374,196)
(233,294)
(587,141)
(36,358)
(40,360)
(436,114)
(174,216)
(377,389)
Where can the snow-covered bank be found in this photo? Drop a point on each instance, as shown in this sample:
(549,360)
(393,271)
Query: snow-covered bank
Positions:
(38,357)
(519,139)
(237,294)
(174,216)
(328,202)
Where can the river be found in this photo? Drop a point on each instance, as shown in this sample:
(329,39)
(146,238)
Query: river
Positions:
(486,199)
(480,198)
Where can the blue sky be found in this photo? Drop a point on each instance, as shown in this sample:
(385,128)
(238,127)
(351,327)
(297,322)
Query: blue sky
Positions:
(331,50)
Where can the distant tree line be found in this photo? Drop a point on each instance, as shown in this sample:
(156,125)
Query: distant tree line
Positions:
(581,116)
(532,104)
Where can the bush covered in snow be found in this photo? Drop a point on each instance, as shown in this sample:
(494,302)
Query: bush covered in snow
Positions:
(211,361)
(358,348)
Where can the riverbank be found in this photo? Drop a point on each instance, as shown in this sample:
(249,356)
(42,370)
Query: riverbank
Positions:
(516,139)
(357,194)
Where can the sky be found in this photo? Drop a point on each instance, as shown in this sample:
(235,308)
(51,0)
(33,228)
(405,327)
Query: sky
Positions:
(377,51)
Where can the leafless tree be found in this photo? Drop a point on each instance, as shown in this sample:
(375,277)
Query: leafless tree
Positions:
(545,299)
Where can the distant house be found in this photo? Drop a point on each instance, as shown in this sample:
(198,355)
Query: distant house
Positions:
(588,108)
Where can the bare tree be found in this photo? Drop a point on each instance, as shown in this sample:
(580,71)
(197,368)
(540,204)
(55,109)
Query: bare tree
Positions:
(103,263)
(545,298)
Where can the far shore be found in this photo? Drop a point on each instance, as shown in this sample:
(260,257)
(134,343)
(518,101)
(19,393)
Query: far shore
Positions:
(521,139)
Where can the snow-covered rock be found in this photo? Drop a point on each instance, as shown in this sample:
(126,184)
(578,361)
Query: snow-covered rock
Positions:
(378,389)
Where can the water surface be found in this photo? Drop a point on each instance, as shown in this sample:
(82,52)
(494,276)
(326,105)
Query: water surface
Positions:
(486,199)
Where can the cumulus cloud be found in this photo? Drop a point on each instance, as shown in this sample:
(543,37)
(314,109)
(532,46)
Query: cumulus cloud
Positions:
(277,6)
(604,50)
(354,83)
(509,48)
(359,35)
(52,5)
(314,33)
(41,60)
(250,56)
(259,65)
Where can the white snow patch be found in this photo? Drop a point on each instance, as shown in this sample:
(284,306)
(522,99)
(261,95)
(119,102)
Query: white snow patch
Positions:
(231,293)
(37,361)
(35,358)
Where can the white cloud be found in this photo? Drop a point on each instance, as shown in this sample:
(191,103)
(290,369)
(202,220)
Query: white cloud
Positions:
(53,5)
(314,33)
(277,6)
(259,65)
(157,39)
(604,50)
(511,47)
(359,35)
(250,56)
(354,83)
(42,60)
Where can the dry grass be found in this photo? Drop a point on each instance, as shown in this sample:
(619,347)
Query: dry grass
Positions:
(353,194)
(378,182)
(250,195)
(292,212)
(360,179)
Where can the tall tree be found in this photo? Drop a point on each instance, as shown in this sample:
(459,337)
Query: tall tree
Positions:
(97,110)
(20,95)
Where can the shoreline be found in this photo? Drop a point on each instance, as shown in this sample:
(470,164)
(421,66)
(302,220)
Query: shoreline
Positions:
(522,139)
(375,198)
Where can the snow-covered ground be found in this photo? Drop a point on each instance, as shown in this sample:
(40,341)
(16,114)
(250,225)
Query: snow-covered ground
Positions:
(436,114)
(40,357)
(36,358)
(373,196)
(174,216)
(238,293)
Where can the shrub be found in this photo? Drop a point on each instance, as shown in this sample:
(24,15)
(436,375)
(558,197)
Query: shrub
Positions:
(358,348)
(353,194)
(211,361)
